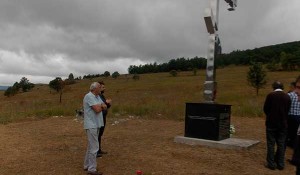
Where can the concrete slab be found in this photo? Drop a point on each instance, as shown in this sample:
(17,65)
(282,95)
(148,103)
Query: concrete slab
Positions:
(230,143)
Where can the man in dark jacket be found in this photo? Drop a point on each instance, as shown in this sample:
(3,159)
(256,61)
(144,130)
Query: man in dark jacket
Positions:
(104,112)
(276,108)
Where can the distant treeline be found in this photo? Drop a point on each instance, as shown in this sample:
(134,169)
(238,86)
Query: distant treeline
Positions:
(276,57)
(182,64)
(286,56)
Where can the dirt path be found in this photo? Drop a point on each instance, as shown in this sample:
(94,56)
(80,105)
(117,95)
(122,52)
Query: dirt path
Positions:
(57,145)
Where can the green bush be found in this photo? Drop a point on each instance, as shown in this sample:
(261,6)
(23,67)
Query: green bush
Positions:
(173,73)
(136,77)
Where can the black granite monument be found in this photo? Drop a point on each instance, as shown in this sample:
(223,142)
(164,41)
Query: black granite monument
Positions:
(207,121)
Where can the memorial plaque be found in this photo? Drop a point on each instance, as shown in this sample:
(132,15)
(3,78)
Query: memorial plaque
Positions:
(207,121)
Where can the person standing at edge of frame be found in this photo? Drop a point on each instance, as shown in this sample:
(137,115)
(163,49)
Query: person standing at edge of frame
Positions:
(293,117)
(104,112)
(276,108)
(93,121)
(296,154)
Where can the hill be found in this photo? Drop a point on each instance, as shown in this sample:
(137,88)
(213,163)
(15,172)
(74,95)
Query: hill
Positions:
(288,54)
(284,56)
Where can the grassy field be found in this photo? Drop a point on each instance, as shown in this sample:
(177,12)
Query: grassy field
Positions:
(152,96)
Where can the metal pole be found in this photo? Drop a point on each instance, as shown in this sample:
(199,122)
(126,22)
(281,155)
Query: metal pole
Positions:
(214,47)
(210,85)
(217,13)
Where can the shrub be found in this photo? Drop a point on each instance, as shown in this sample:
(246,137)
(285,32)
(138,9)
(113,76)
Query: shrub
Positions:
(136,77)
(173,73)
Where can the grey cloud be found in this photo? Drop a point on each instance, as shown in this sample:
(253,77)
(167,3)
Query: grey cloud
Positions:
(145,29)
(122,32)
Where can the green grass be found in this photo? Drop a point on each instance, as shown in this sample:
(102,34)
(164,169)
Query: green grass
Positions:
(156,95)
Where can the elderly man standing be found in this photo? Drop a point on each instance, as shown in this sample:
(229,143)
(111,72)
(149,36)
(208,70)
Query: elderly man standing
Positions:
(93,121)
(276,108)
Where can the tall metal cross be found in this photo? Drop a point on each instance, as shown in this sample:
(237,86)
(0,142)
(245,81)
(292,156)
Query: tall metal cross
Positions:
(214,47)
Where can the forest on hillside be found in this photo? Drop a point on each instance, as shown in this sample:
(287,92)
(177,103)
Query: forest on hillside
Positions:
(284,56)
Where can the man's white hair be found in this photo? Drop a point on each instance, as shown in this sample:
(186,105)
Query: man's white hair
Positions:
(94,85)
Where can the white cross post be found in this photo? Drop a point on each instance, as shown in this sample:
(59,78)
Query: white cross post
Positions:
(214,47)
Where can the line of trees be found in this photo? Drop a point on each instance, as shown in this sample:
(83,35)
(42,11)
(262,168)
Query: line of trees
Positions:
(276,57)
(182,64)
(105,74)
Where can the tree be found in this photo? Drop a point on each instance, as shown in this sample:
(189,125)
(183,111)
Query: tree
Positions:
(106,74)
(194,71)
(25,84)
(288,61)
(136,77)
(115,75)
(273,66)
(173,73)
(58,85)
(70,80)
(71,77)
(11,91)
(256,76)
(17,85)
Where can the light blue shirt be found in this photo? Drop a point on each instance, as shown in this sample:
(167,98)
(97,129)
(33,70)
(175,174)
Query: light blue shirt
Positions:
(91,118)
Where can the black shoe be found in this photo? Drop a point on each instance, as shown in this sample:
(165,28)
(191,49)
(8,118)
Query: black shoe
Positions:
(292,162)
(280,168)
(270,167)
(94,173)
(102,152)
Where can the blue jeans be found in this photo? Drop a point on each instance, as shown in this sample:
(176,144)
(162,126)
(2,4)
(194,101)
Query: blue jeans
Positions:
(276,136)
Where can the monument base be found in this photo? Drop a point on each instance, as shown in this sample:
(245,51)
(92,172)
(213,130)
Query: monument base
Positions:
(230,143)
(207,121)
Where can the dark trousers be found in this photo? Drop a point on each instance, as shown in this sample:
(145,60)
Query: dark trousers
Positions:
(101,131)
(296,155)
(293,123)
(276,136)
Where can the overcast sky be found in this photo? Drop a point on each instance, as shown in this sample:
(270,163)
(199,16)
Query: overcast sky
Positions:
(44,39)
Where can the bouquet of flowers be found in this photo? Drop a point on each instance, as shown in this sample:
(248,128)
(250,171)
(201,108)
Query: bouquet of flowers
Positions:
(231,130)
